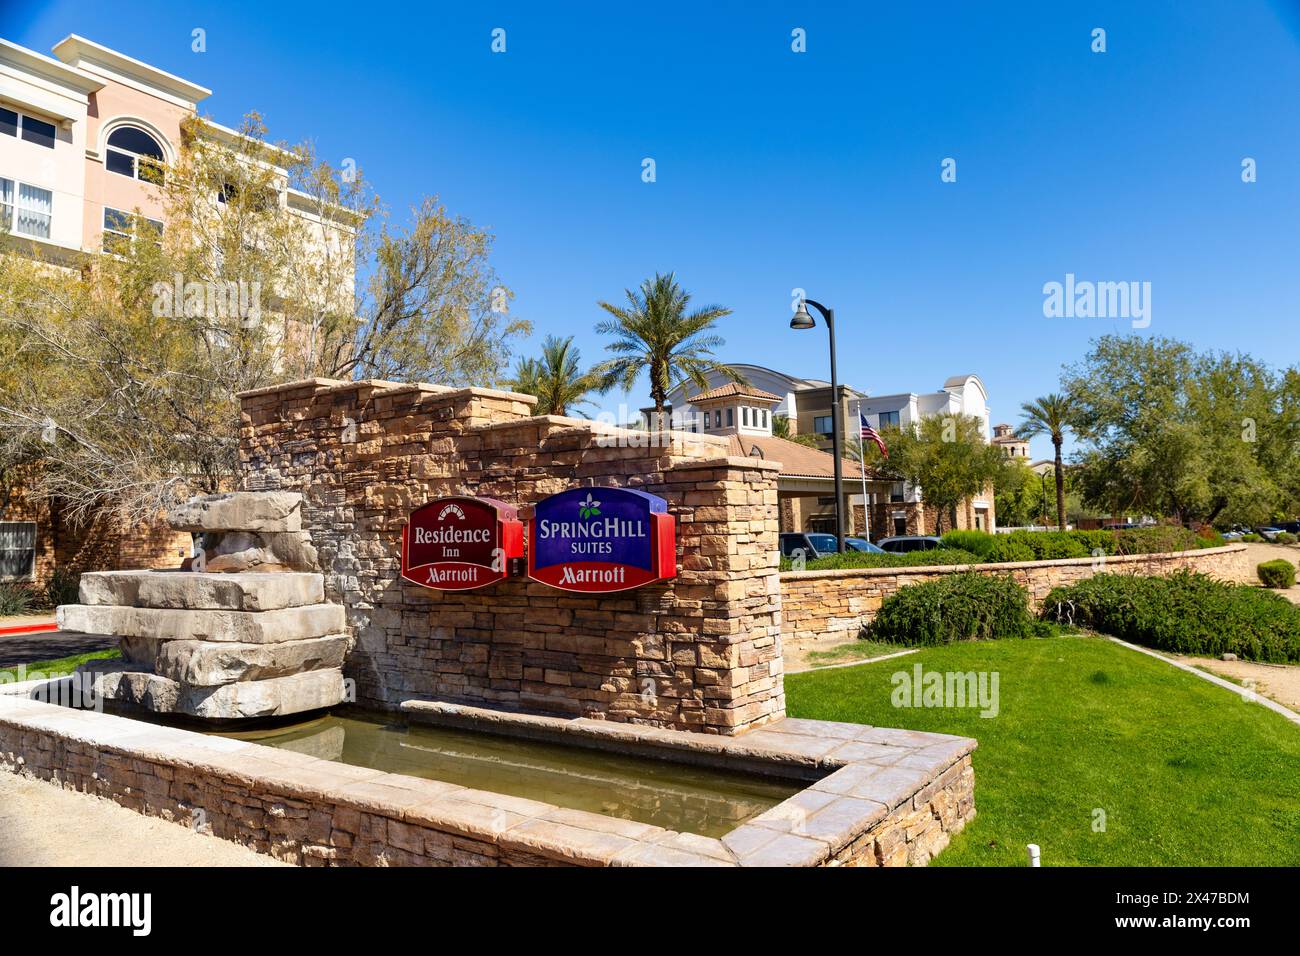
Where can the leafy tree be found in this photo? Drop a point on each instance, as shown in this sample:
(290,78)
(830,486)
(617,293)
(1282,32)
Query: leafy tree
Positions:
(946,456)
(657,334)
(1049,416)
(781,429)
(121,370)
(1202,437)
(556,379)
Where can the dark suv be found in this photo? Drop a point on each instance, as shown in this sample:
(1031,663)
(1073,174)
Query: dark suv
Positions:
(910,542)
(812,544)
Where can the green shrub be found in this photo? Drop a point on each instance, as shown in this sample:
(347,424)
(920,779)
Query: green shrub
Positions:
(955,607)
(1052,545)
(980,543)
(864,559)
(1006,548)
(1252,538)
(1284,537)
(1278,573)
(16,599)
(1185,613)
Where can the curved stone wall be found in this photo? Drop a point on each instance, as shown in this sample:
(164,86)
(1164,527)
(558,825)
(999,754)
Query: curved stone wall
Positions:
(834,605)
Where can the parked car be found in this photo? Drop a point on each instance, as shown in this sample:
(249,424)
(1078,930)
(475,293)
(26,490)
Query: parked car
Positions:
(910,542)
(811,544)
(1269,533)
(862,544)
(1290,527)
(1236,531)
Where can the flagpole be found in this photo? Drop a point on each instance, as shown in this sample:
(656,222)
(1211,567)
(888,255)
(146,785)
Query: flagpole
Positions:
(862,460)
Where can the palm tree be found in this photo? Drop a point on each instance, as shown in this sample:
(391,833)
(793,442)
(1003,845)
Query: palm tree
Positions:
(556,378)
(1049,415)
(655,332)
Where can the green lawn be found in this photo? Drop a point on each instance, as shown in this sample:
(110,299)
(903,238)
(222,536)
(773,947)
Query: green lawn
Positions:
(1188,774)
(56,668)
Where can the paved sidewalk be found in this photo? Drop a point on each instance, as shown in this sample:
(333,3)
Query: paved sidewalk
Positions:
(43,825)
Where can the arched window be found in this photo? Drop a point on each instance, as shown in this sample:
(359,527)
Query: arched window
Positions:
(133,152)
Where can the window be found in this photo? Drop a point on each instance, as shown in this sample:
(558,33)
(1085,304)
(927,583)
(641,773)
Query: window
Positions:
(28,127)
(765,418)
(26,210)
(896,491)
(824,425)
(731,417)
(17,550)
(133,152)
(121,228)
(717,418)
(889,419)
(744,416)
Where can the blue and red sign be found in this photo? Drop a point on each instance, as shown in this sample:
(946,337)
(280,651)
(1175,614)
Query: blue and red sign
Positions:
(460,543)
(601,539)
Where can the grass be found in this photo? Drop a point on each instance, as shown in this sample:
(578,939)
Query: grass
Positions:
(55,668)
(851,651)
(1187,773)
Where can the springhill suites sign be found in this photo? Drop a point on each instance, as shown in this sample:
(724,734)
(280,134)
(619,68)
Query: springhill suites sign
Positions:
(601,539)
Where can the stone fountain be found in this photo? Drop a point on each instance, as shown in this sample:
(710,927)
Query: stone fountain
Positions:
(245,633)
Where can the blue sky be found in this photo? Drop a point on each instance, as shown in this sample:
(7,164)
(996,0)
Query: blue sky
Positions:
(819,170)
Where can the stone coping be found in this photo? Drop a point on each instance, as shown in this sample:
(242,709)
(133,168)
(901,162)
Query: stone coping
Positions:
(330,385)
(871,772)
(1003,566)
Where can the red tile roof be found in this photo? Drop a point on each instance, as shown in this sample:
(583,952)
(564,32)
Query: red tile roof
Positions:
(734,388)
(797,461)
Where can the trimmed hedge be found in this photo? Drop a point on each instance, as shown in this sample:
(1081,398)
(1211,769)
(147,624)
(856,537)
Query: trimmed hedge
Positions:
(1185,613)
(980,547)
(1278,573)
(1053,545)
(956,607)
(865,559)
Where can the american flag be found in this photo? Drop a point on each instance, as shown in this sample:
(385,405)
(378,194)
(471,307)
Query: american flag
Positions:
(870,434)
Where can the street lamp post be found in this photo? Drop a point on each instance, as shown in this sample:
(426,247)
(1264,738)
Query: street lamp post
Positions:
(803,320)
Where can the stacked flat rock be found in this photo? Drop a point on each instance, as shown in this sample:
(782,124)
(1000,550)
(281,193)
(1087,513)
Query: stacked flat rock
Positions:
(225,642)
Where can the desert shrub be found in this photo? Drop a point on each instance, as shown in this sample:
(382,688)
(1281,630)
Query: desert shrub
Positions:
(63,588)
(955,607)
(16,599)
(1251,538)
(1284,537)
(1156,540)
(863,559)
(1185,613)
(1278,573)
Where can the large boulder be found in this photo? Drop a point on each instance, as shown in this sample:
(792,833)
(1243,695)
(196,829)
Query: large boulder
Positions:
(190,589)
(259,551)
(174,624)
(213,663)
(275,697)
(240,511)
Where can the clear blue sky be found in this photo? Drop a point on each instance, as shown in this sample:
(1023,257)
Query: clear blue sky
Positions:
(818,170)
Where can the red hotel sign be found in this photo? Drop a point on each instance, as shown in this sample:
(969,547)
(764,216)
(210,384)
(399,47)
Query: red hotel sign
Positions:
(460,543)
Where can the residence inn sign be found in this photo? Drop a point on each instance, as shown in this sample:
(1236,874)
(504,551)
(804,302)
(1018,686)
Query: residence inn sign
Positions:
(460,543)
(601,539)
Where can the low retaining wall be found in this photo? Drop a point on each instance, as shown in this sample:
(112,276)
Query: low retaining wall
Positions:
(835,605)
(877,797)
